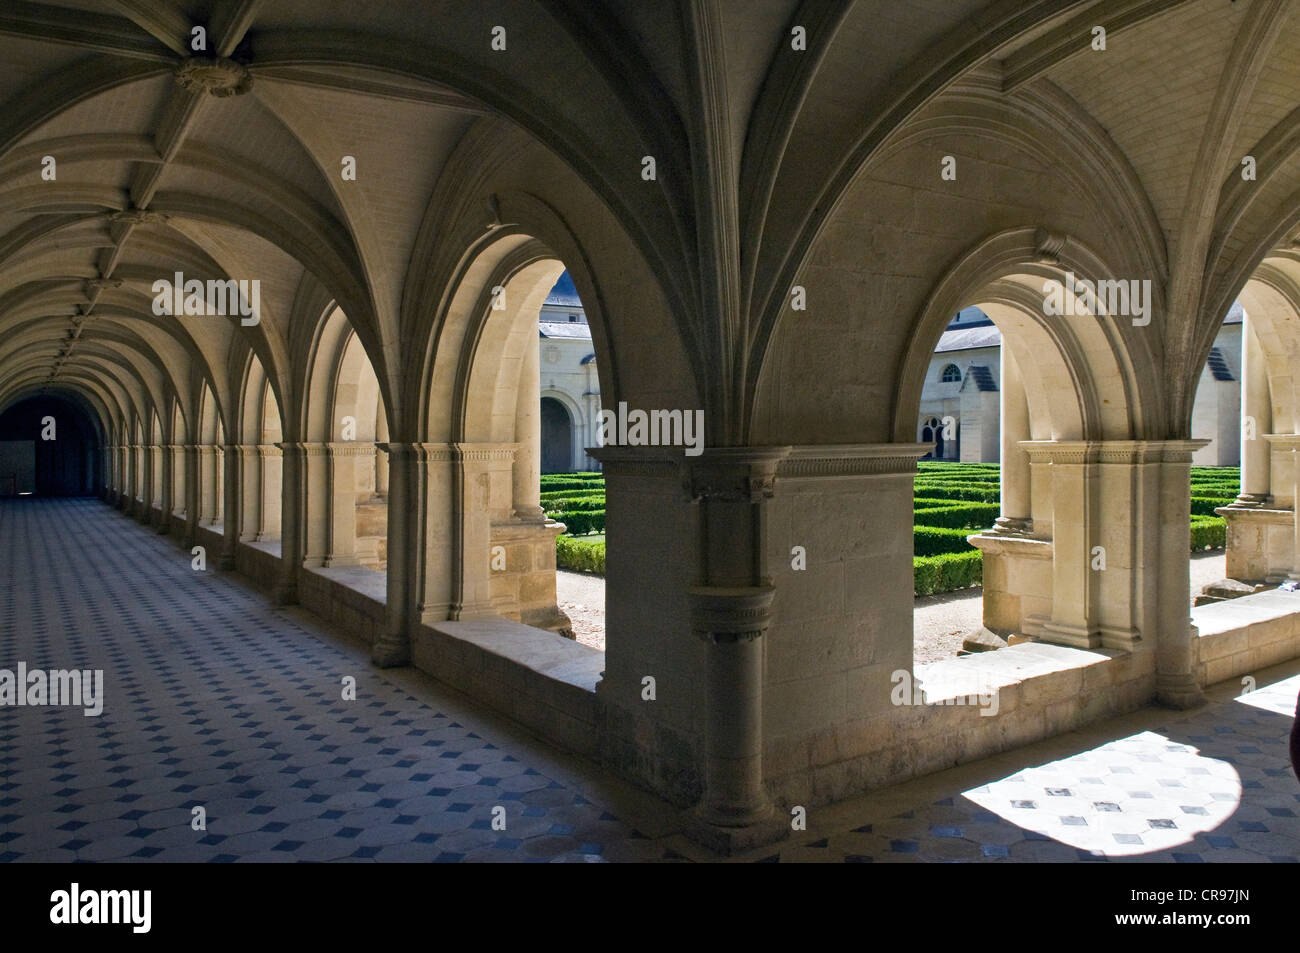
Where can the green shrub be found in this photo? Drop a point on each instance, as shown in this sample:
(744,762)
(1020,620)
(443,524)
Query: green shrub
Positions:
(579,555)
(580,522)
(947,572)
(1204,505)
(963,516)
(569,503)
(963,491)
(1209,532)
(933,540)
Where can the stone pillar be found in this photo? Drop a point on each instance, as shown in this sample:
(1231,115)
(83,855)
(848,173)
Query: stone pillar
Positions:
(731,610)
(1071,471)
(270,478)
(1177,654)
(1016,518)
(1286,450)
(438,472)
(145,511)
(1257,411)
(207,485)
(231,458)
(393,647)
(482,491)
(343,460)
(250,489)
(193,493)
(163,523)
(292,530)
(527,469)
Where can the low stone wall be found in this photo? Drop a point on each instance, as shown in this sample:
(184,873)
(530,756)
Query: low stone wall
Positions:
(259,563)
(541,680)
(350,596)
(1242,636)
(1038,690)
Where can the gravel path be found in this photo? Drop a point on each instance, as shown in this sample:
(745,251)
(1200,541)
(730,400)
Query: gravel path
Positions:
(939,623)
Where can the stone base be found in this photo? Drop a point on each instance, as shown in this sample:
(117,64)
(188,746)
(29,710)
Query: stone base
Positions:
(1180,692)
(729,841)
(390,653)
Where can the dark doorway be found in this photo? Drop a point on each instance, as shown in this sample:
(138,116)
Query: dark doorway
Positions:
(557,437)
(48,447)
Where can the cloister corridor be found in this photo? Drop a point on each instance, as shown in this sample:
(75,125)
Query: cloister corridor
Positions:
(236,707)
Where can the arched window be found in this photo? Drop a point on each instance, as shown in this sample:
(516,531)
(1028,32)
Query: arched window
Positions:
(951,374)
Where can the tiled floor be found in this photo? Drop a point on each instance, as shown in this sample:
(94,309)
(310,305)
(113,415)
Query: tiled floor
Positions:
(216,699)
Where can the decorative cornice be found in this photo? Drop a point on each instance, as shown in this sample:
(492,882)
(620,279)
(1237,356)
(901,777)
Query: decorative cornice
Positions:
(1284,442)
(221,77)
(830,461)
(1130,452)
(732,474)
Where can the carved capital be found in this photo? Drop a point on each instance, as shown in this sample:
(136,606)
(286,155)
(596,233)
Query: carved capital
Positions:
(732,474)
(730,614)
(220,77)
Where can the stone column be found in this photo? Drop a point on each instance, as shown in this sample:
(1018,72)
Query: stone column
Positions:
(1286,448)
(168,490)
(193,492)
(393,647)
(482,490)
(438,472)
(143,512)
(1016,518)
(231,458)
(731,610)
(250,488)
(1257,411)
(1071,470)
(292,543)
(270,473)
(341,482)
(527,469)
(207,485)
(1177,654)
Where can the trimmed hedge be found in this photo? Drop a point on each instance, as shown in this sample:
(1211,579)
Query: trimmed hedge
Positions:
(578,522)
(946,572)
(580,555)
(1209,533)
(965,516)
(973,492)
(1205,505)
(934,540)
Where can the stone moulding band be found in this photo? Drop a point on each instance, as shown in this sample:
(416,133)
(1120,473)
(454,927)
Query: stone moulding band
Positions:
(1079,452)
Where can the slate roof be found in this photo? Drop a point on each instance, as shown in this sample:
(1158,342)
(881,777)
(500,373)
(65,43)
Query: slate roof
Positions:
(981,377)
(564,329)
(964,339)
(1218,366)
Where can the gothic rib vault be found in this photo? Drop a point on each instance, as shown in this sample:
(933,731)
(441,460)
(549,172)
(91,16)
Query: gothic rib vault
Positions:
(390,173)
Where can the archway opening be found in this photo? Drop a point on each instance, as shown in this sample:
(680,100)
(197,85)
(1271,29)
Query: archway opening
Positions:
(557,437)
(48,447)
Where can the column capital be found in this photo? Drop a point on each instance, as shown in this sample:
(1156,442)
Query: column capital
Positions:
(732,474)
(730,614)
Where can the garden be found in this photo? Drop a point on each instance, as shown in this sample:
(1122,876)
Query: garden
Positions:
(950,502)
